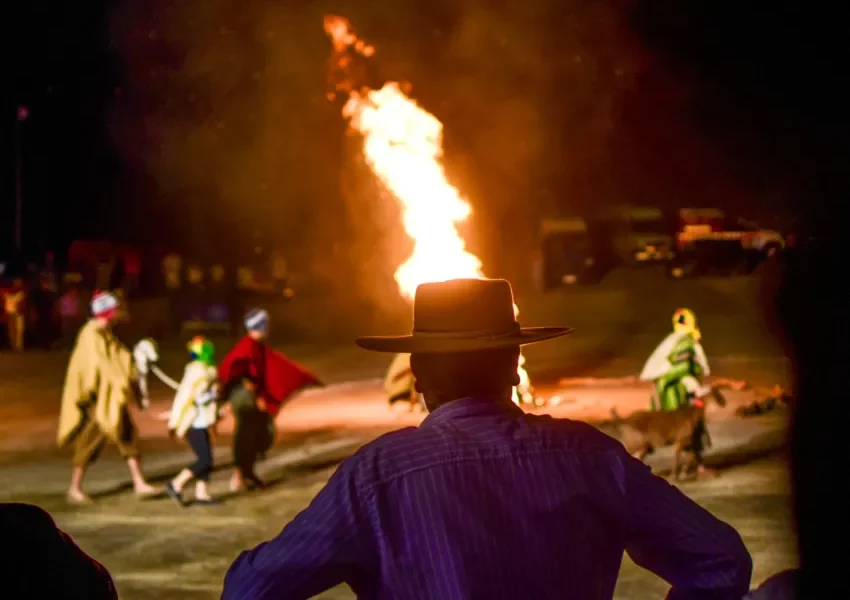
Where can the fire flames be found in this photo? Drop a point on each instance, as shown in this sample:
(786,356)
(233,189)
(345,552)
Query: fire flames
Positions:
(402,144)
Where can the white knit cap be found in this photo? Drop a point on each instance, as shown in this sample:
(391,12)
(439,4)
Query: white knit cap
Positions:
(257,320)
(102,303)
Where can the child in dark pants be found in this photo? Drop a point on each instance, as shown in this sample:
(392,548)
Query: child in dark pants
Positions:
(193,414)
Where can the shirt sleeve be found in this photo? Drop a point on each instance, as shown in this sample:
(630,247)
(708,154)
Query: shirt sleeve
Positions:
(183,397)
(674,537)
(328,543)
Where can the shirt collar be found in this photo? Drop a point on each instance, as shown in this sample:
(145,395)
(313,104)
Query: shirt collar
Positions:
(471,407)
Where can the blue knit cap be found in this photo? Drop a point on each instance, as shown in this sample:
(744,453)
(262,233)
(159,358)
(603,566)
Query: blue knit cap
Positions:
(257,320)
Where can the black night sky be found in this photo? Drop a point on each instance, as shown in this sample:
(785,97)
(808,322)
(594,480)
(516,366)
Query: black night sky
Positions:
(181,122)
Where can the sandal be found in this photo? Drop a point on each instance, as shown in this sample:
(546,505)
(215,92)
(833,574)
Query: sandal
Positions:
(174,494)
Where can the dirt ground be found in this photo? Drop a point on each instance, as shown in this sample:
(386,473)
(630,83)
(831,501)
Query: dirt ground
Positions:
(157,550)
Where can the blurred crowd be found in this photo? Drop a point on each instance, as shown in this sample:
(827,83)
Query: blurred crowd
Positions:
(44,304)
(39,311)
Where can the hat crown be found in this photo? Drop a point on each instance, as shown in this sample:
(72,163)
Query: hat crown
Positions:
(465,306)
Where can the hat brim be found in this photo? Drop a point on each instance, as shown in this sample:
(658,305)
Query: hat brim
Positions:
(413,344)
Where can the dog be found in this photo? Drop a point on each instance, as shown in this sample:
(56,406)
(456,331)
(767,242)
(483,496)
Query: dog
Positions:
(684,429)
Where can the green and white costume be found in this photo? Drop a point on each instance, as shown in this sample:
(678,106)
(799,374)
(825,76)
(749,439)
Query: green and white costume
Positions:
(676,366)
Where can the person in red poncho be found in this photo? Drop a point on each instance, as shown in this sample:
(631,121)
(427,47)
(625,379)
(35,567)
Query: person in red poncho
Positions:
(257,381)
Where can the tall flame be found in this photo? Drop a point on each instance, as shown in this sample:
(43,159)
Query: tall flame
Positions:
(403,146)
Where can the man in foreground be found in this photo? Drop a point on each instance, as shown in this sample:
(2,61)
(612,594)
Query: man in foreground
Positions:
(484,501)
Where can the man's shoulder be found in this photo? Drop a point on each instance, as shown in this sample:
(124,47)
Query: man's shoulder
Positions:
(399,442)
(568,434)
(395,454)
(412,449)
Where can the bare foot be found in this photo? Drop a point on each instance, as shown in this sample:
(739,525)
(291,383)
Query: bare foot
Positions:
(236,482)
(706,472)
(145,490)
(78,497)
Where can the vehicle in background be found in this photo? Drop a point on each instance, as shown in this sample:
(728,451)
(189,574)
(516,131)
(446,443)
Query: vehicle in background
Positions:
(761,240)
(710,242)
(569,254)
(713,256)
(647,235)
(638,234)
(713,224)
(652,235)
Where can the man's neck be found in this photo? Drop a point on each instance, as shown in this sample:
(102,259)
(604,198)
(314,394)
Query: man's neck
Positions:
(494,397)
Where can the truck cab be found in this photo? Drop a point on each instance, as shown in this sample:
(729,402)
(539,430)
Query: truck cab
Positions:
(710,241)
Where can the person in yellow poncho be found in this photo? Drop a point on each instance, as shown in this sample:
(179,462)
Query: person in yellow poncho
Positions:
(100,381)
(399,384)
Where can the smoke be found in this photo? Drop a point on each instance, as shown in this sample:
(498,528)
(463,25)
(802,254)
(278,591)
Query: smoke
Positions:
(219,106)
(224,108)
(535,91)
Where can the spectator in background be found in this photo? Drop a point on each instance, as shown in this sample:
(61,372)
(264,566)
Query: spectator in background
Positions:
(104,270)
(172,266)
(14,304)
(69,315)
(41,561)
(49,272)
(172,277)
(195,276)
(217,275)
(43,301)
(132,272)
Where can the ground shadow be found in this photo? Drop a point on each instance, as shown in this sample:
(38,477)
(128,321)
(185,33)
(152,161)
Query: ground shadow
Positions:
(758,447)
(161,476)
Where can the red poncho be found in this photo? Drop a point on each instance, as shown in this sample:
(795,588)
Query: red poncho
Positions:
(275,376)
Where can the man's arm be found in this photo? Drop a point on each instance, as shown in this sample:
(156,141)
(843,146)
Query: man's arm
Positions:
(671,535)
(328,543)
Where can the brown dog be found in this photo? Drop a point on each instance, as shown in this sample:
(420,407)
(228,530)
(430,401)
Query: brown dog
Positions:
(684,429)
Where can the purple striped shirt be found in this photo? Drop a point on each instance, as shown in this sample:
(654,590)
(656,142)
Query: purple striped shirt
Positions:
(484,501)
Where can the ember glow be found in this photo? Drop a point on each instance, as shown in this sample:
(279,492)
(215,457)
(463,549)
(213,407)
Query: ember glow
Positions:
(403,146)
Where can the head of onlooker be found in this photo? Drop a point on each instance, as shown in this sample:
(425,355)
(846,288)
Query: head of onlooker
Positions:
(41,561)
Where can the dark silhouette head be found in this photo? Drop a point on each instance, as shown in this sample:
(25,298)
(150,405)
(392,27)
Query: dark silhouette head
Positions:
(41,561)
(441,378)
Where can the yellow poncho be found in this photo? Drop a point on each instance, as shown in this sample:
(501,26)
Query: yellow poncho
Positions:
(99,379)
(399,377)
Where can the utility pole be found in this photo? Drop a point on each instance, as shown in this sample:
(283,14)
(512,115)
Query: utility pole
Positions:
(23,115)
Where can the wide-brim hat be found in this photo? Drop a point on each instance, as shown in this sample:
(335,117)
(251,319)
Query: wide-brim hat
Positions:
(462,315)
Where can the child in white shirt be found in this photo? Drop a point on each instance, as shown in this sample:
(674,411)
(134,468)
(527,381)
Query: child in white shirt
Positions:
(193,414)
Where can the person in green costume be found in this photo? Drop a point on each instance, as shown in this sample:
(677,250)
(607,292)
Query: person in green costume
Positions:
(677,365)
